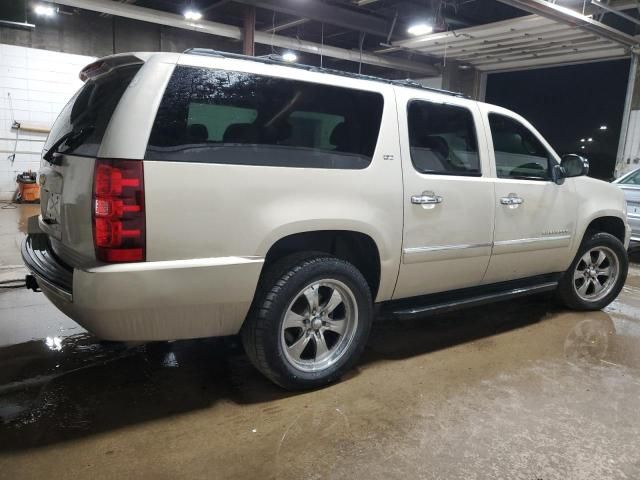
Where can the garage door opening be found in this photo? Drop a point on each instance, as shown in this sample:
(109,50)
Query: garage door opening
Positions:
(577,108)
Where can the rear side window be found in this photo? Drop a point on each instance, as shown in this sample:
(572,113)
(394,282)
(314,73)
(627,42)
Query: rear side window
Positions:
(87,115)
(217,116)
(443,139)
(519,154)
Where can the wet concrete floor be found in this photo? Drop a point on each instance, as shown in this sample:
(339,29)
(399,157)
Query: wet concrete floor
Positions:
(517,390)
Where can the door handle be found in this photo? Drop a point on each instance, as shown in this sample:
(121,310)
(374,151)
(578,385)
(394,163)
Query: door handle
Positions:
(427,198)
(512,200)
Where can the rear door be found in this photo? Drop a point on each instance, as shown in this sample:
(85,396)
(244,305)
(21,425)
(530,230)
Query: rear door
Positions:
(448,194)
(67,179)
(535,218)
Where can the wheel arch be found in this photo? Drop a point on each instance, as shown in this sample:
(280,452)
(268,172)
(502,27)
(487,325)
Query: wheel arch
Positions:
(606,223)
(357,248)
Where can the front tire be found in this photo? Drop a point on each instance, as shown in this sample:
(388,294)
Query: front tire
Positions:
(596,275)
(310,321)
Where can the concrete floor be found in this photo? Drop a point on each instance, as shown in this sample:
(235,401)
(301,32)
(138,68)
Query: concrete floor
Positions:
(518,390)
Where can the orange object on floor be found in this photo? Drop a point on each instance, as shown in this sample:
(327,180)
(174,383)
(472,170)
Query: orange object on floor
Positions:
(29,192)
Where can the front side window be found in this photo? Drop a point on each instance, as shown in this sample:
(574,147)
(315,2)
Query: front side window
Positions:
(443,139)
(518,152)
(218,116)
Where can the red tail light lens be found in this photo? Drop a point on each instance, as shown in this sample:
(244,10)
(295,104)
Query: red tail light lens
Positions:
(118,211)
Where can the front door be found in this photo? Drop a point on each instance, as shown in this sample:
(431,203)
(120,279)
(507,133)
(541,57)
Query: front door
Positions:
(535,217)
(448,204)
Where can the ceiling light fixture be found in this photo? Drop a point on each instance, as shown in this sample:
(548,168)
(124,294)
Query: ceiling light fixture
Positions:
(603,127)
(289,57)
(45,10)
(192,15)
(419,29)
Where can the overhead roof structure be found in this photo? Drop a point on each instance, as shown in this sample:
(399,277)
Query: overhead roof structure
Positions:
(523,42)
(486,34)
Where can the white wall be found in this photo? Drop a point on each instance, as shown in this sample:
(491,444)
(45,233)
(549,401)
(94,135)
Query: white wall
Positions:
(40,83)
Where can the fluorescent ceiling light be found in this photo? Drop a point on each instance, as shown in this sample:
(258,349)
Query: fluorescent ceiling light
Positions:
(582,140)
(45,10)
(419,29)
(192,15)
(603,127)
(590,139)
(289,57)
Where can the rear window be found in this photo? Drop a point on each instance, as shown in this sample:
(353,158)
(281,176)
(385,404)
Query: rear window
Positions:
(217,116)
(89,111)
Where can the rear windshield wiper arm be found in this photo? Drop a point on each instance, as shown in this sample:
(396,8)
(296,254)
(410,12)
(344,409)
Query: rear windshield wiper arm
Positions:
(69,138)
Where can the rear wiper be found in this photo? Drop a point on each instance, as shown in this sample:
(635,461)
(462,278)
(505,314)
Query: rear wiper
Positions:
(69,139)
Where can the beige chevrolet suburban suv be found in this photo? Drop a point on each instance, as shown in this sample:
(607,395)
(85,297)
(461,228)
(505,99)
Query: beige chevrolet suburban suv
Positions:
(208,194)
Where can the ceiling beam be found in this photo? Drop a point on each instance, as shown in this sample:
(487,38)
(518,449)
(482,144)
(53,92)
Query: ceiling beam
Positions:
(286,25)
(217,4)
(570,17)
(325,13)
(231,31)
(624,4)
(615,11)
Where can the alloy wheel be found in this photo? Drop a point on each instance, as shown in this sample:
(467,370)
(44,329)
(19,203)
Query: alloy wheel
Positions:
(319,325)
(596,274)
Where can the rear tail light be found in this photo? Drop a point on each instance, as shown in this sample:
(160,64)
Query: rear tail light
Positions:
(118,211)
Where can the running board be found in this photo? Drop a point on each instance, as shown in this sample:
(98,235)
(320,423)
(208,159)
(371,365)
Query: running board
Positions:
(431,304)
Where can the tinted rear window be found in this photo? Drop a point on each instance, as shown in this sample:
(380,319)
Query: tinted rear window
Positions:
(91,109)
(217,116)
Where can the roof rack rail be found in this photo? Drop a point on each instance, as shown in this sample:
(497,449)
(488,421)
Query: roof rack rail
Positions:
(277,60)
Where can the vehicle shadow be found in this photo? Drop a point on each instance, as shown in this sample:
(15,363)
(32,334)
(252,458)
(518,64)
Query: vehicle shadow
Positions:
(59,391)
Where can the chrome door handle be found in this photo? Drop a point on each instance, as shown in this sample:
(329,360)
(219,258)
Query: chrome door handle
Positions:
(427,198)
(512,200)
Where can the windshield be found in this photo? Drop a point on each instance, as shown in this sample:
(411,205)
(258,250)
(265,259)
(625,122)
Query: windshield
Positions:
(91,109)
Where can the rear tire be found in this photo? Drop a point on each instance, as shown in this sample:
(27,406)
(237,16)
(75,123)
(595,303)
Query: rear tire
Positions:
(596,275)
(310,321)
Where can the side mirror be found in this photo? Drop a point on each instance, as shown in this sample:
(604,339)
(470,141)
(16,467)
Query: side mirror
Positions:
(575,165)
(558,174)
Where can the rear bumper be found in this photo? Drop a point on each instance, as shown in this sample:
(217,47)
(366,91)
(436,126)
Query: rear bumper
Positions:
(149,301)
(50,272)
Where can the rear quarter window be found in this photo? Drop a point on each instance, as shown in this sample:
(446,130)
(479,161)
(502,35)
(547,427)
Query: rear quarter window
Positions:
(217,116)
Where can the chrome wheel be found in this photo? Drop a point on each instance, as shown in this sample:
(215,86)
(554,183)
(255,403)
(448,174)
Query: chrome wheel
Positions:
(319,325)
(596,274)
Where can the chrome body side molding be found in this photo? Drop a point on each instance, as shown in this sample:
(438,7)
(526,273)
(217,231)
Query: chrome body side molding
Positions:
(443,252)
